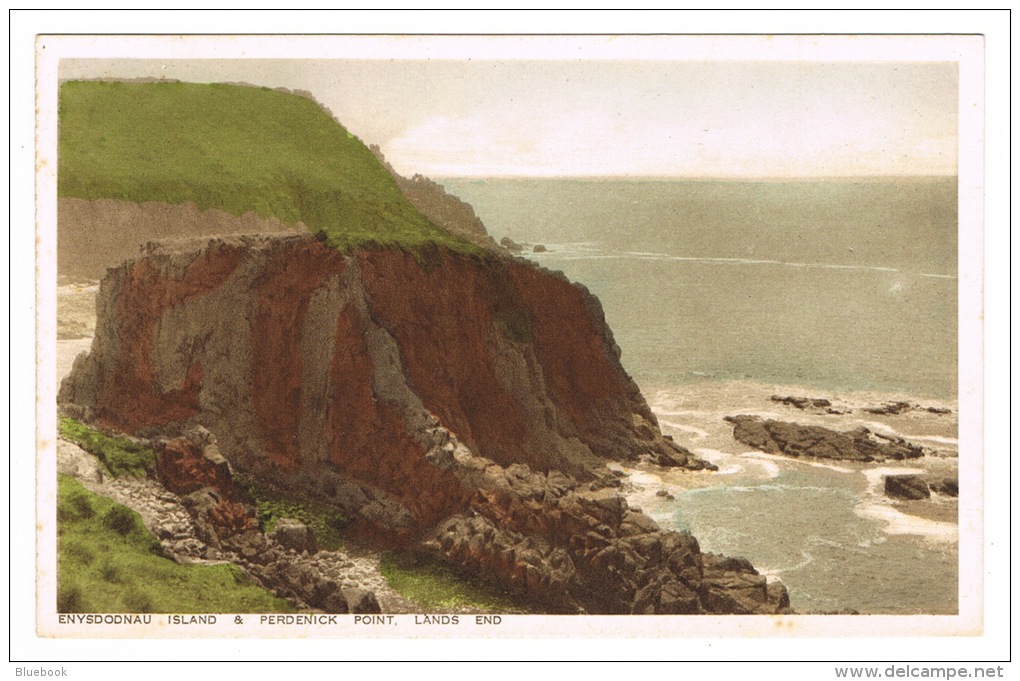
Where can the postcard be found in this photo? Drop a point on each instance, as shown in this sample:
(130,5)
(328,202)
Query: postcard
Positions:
(502,337)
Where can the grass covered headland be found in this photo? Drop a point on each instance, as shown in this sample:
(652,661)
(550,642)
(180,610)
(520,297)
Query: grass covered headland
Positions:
(235,148)
(109,562)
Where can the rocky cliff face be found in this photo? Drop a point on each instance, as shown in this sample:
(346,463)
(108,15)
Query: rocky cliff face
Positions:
(411,391)
(442,208)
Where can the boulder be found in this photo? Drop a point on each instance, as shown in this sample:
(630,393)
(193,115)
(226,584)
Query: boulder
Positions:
(361,601)
(947,487)
(906,487)
(295,535)
(75,461)
(802,402)
(186,464)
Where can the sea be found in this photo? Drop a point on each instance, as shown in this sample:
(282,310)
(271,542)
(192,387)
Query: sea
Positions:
(722,294)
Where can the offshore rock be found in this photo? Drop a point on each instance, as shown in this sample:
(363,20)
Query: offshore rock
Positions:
(803,402)
(906,487)
(947,487)
(793,439)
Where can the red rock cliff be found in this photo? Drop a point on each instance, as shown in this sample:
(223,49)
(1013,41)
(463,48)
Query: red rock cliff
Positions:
(300,359)
(465,403)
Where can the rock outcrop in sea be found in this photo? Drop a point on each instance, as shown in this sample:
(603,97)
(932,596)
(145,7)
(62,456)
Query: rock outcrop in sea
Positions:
(913,487)
(462,404)
(794,439)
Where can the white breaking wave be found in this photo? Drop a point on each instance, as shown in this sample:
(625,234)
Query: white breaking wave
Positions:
(644,478)
(641,254)
(697,432)
(875,476)
(728,464)
(771,469)
(874,505)
(882,429)
(937,439)
(897,522)
(802,462)
(807,559)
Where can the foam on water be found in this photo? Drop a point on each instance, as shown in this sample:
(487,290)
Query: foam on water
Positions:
(802,462)
(897,522)
(882,429)
(698,433)
(770,469)
(937,439)
(644,478)
(875,476)
(591,251)
(777,573)
(874,505)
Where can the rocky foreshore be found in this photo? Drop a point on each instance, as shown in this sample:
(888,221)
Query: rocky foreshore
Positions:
(285,561)
(545,539)
(579,547)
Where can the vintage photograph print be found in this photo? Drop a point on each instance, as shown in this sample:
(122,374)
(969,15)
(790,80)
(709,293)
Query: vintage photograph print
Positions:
(454,336)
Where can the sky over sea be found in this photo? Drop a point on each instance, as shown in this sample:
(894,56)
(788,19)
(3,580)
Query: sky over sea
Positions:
(661,113)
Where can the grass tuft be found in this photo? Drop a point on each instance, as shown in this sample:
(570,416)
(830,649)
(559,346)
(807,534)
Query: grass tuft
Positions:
(119,455)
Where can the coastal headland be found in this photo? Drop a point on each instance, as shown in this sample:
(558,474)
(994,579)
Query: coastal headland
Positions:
(363,377)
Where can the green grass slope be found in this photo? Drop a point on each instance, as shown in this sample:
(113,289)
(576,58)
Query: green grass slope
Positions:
(109,562)
(236,148)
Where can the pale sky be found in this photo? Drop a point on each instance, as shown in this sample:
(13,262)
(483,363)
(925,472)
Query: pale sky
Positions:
(458,118)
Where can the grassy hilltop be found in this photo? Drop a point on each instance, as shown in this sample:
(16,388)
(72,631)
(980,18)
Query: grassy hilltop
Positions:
(235,148)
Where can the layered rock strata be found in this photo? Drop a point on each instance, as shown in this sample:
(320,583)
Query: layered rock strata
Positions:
(579,547)
(465,403)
